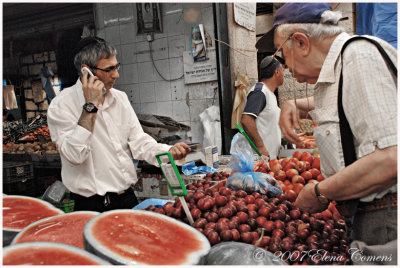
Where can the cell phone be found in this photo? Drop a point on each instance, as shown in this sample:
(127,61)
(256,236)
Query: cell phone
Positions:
(91,74)
(88,70)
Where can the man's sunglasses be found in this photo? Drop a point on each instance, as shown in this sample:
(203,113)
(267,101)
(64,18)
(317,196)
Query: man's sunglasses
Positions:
(109,69)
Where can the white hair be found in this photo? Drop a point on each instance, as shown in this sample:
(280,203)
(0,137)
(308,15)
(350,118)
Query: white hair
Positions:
(328,26)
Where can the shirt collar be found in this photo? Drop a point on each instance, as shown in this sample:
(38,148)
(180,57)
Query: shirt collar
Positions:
(328,74)
(110,97)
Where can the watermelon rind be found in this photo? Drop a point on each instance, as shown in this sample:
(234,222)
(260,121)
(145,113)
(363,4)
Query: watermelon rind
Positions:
(61,216)
(29,245)
(10,233)
(94,246)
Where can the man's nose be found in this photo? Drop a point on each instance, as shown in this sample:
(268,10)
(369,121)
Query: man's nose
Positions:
(115,74)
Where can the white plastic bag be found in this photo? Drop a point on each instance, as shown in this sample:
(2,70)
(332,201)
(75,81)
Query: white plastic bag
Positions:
(210,118)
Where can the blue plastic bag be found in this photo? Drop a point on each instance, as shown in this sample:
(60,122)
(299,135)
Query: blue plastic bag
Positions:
(244,178)
(190,168)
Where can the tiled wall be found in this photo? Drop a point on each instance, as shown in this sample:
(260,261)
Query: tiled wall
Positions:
(148,92)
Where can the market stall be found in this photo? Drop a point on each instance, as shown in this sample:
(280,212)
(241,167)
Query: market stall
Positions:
(230,216)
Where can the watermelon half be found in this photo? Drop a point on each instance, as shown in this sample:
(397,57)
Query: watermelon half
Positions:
(145,238)
(47,253)
(64,228)
(20,211)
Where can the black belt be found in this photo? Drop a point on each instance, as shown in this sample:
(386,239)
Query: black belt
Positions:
(103,198)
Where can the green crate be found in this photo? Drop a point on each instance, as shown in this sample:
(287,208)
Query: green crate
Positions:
(66,207)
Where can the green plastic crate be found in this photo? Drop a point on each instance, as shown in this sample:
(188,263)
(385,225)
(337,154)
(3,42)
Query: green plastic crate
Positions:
(67,206)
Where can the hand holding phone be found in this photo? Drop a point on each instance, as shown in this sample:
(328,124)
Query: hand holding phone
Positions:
(90,74)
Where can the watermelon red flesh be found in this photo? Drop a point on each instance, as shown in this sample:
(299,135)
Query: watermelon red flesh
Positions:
(65,229)
(20,211)
(48,255)
(147,238)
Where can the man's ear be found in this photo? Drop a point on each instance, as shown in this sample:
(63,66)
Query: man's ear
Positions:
(302,42)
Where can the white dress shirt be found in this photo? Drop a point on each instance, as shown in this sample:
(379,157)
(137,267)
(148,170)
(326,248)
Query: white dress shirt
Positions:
(369,102)
(99,162)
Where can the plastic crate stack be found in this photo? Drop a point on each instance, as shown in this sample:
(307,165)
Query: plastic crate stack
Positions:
(18,178)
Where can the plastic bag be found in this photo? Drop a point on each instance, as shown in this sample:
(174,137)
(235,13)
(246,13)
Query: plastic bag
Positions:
(242,163)
(210,118)
(190,168)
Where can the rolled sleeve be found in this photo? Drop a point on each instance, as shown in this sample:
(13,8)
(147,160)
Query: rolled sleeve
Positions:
(72,140)
(75,147)
(144,147)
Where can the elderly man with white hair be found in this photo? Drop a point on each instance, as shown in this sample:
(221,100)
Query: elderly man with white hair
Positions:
(355,108)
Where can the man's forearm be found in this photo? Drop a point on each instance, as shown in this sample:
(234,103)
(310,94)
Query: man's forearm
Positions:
(87,120)
(370,174)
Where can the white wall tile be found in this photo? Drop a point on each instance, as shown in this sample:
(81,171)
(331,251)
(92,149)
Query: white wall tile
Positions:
(176,46)
(147,90)
(196,108)
(196,91)
(112,34)
(125,13)
(196,6)
(135,93)
(127,33)
(159,49)
(136,107)
(146,72)
(128,53)
(176,67)
(178,90)
(148,108)
(174,24)
(111,14)
(208,20)
(163,91)
(130,73)
(164,108)
(171,8)
(143,52)
(205,5)
(163,68)
(147,93)
(196,132)
(180,111)
(212,90)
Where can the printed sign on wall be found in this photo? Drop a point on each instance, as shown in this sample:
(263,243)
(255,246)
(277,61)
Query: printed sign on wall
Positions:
(245,15)
(201,71)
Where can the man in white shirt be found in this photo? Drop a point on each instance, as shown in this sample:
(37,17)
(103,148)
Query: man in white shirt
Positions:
(310,39)
(97,133)
(260,116)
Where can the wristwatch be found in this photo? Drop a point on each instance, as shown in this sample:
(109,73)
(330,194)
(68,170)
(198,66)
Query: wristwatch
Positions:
(90,107)
(321,198)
